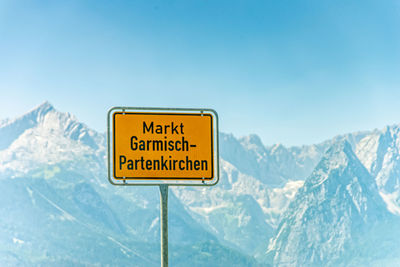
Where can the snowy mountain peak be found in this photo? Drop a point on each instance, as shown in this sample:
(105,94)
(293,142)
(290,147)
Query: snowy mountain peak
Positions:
(47,136)
(43,108)
(252,139)
(278,149)
(338,203)
(30,118)
(36,115)
(341,149)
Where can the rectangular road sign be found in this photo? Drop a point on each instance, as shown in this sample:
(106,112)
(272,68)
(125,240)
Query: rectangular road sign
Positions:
(150,146)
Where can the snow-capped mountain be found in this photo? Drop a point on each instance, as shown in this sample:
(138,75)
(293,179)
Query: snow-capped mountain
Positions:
(44,137)
(53,175)
(337,218)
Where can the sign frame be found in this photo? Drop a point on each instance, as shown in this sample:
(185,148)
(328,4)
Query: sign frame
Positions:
(163,181)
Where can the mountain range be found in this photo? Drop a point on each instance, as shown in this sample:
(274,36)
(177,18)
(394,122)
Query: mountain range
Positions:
(336,203)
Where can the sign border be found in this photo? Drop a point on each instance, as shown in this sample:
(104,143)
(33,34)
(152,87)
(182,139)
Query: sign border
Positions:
(177,181)
(166,178)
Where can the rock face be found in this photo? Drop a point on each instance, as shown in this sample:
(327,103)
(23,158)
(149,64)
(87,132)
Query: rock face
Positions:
(380,154)
(337,217)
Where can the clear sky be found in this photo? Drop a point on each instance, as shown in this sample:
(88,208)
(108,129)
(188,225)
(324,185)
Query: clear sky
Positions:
(293,72)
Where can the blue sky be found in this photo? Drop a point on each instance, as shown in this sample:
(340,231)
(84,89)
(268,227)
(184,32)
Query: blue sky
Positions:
(293,72)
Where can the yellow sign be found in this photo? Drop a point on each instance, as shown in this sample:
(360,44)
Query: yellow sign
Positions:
(163,145)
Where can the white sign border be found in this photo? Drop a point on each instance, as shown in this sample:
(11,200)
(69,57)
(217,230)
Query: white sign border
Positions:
(155,182)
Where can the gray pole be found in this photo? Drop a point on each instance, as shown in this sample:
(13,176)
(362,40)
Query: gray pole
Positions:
(164,224)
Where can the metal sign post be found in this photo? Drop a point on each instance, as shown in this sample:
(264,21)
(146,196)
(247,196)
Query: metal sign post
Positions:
(164,224)
(162,146)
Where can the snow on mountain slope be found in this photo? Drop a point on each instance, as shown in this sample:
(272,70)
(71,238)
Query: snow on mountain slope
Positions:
(279,199)
(46,136)
(233,210)
(276,165)
(11,129)
(337,218)
(273,166)
(241,211)
(380,153)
